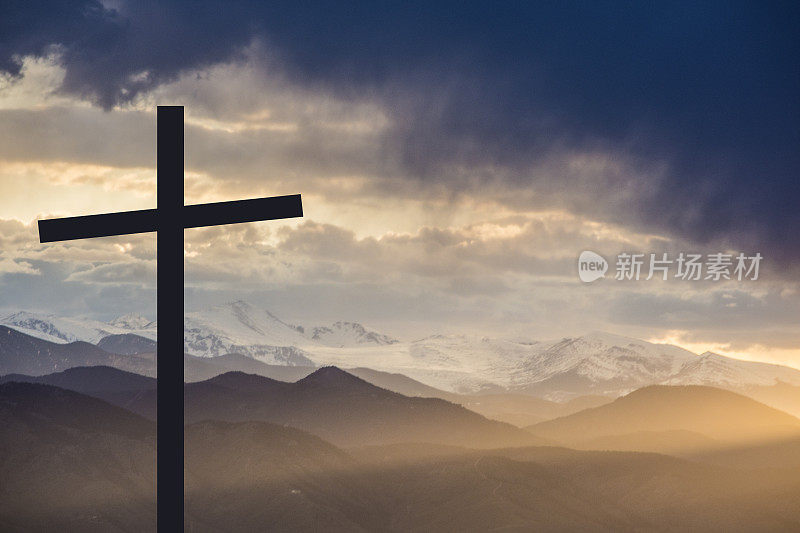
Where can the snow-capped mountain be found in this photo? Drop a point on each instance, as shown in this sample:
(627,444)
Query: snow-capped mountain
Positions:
(458,363)
(714,369)
(63,330)
(601,363)
(234,327)
(596,363)
(132,321)
(244,323)
(239,327)
(348,334)
(605,356)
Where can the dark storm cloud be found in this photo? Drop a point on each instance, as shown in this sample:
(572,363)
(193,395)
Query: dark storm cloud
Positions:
(113,54)
(704,92)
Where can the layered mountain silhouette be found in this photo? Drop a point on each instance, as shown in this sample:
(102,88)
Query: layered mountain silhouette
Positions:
(25,354)
(673,419)
(203,368)
(596,363)
(73,463)
(127,344)
(781,396)
(127,389)
(345,410)
(329,402)
(419,444)
(115,386)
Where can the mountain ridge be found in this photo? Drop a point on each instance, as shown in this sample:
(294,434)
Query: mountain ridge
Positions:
(596,364)
(719,414)
(242,475)
(343,409)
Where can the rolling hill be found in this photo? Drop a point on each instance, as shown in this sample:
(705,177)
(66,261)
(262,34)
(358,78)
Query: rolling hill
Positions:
(73,463)
(345,410)
(115,386)
(126,389)
(24,354)
(127,344)
(677,417)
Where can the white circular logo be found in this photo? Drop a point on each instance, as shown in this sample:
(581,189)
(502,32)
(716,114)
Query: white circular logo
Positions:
(591,266)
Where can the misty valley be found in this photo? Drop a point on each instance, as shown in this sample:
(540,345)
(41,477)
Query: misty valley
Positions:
(555,438)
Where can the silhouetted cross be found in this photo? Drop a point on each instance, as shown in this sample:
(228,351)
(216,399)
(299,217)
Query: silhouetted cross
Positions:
(169,221)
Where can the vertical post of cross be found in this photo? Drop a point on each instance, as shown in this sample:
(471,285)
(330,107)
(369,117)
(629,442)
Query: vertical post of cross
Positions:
(170,318)
(169,221)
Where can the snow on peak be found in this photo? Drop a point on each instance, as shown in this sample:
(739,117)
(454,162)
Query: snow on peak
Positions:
(344,334)
(240,327)
(132,321)
(64,330)
(600,356)
(712,368)
(595,363)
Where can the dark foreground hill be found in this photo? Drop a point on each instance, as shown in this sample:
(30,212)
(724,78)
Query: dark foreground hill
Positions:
(298,483)
(329,402)
(115,386)
(74,463)
(295,482)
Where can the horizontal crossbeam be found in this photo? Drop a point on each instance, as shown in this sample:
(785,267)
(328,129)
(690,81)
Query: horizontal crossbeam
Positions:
(272,208)
(193,216)
(66,229)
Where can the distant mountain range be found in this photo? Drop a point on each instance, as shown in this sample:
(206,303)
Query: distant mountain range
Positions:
(346,410)
(678,420)
(596,364)
(348,334)
(236,327)
(329,402)
(23,354)
(65,330)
